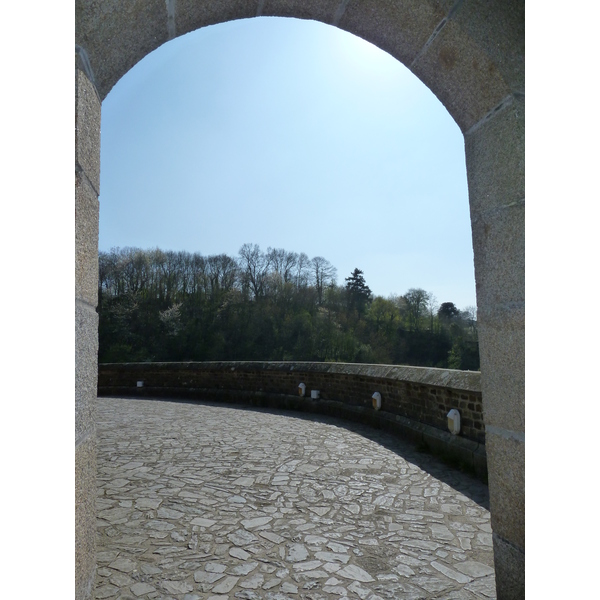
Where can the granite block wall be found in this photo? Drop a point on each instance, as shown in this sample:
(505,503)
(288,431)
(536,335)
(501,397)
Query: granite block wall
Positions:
(87,185)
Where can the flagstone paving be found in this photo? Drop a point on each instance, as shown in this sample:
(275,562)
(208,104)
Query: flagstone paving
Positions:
(213,502)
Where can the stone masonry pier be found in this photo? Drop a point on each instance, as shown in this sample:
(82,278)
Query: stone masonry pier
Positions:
(207,501)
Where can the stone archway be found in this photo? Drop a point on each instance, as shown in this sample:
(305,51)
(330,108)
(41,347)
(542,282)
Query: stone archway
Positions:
(471,55)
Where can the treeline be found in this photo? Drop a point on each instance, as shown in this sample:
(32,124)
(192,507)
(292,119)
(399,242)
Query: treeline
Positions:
(157,305)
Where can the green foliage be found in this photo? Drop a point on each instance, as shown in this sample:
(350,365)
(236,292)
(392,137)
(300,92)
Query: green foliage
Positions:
(416,300)
(159,305)
(454,356)
(358,292)
(448,311)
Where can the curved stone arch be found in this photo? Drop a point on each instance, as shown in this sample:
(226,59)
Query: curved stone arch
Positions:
(470,53)
(453,47)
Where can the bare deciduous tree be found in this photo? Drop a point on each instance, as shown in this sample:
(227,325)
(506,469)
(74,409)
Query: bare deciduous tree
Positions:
(323,273)
(254,266)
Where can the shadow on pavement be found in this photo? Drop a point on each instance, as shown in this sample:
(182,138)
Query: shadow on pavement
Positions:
(463,482)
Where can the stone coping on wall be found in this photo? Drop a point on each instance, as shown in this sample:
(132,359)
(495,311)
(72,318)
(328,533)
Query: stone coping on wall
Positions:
(447,378)
(167,380)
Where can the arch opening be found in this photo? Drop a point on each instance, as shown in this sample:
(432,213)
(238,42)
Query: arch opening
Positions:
(298,136)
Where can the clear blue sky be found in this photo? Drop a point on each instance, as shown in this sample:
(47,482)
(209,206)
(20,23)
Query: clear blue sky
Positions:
(290,134)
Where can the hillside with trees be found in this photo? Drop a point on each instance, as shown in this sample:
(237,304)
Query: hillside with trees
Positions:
(157,305)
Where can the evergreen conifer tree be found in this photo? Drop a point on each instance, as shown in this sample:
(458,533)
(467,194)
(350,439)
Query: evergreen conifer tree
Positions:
(359,293)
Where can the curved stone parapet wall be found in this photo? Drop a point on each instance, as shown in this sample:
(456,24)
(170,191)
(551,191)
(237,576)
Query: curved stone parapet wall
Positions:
(415,401)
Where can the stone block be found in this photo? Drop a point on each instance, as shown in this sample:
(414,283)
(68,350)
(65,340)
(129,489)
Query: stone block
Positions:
(506,469)
(116,35)
(499,28)
(316,10)
(86,368)
(87,129)
(502,354)
(509,564)
(85,519)
(480,463)
(438,441)
(405,431)
(461,75)
(191,14)
(499,249)
(495,157)
(380,22)
(86,241)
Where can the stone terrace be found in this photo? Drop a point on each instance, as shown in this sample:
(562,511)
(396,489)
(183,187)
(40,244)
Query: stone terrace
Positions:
(202,501)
